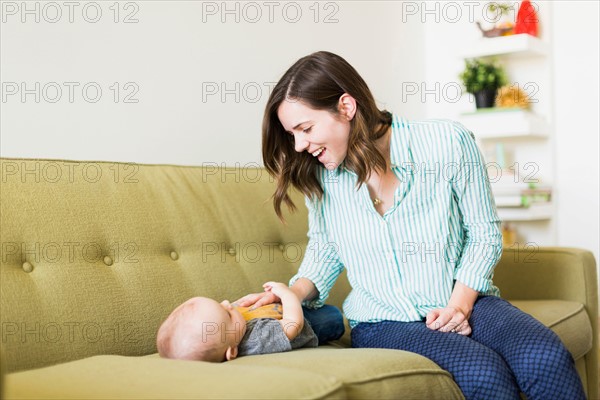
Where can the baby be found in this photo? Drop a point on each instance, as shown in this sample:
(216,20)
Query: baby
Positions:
(205,330)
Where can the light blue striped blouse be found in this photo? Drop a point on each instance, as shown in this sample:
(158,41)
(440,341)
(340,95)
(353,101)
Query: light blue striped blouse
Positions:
(442,227)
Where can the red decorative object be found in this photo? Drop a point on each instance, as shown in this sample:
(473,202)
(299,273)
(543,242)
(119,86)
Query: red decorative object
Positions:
(527,20)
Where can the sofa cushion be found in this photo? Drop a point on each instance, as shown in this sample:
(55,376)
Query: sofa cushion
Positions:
(568,319)
(118,377)
(332,373)
(368,373)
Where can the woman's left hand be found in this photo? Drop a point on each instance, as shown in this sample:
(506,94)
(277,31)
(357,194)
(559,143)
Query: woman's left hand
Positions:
(448,319)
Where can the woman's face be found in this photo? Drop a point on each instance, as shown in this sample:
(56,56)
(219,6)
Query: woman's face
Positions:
(316,129)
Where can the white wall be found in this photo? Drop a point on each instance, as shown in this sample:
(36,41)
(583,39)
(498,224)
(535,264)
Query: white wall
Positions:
(577,130)
(171,54)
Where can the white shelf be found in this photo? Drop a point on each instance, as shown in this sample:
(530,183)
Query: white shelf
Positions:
(496,123)
(512,45)
(535,212)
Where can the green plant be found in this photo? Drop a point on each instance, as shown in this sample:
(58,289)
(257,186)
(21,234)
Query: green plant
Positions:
(503,7)
(479,75)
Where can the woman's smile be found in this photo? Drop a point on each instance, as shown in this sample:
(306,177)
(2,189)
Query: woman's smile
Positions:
(320,156)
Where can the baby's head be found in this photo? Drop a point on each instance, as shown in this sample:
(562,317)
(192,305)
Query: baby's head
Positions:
(201,329)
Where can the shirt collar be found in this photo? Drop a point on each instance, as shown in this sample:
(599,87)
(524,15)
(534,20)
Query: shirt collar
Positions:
(399,150)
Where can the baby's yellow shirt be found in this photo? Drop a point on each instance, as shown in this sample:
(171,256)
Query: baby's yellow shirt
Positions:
(274,311)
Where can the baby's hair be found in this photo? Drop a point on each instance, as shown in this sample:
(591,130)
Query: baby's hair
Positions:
(171,341)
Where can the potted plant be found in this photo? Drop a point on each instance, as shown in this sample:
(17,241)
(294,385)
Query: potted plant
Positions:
(482,79)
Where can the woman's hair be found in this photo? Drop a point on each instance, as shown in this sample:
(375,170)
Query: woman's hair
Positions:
(318,81)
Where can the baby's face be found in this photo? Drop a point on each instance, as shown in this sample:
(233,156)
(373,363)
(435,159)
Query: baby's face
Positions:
(220,321)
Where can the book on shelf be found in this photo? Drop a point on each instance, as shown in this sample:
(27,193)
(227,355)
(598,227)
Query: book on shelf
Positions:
(517,200)
(523,197)
(506,182)
(536,211)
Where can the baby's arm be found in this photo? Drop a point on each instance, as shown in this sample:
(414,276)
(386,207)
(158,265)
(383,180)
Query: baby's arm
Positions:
(293,317)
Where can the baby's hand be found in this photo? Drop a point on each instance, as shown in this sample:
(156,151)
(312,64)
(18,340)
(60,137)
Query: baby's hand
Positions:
(277,288)
(292,320)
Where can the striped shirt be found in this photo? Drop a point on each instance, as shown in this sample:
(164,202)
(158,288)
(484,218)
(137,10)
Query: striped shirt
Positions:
(442,227)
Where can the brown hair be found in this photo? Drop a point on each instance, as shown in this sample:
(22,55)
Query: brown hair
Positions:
(319,80)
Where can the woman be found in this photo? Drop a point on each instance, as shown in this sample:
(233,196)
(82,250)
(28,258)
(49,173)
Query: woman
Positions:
(419,242)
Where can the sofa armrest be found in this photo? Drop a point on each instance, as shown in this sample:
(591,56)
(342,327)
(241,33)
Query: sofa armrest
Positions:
(537,273)
(557,273)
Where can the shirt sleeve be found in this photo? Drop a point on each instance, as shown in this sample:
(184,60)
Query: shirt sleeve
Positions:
(306,338)
(482,247)
(263,336)
(321,263)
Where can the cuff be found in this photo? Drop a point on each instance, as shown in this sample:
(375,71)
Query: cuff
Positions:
(319,301)
(473,281)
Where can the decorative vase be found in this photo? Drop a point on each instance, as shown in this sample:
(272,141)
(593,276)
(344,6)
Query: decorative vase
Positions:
(485,98)
(527,20)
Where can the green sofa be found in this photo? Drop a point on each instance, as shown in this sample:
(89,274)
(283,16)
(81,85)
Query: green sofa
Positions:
(96,254)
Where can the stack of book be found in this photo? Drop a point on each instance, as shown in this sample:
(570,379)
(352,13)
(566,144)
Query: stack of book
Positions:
(518,201)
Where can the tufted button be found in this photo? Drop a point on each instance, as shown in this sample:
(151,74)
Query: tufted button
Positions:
(281,247)
(231,251)
(174,255)
(27,267)
(108,261)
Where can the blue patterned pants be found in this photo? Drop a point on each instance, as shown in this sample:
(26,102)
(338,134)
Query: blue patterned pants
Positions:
(508,351)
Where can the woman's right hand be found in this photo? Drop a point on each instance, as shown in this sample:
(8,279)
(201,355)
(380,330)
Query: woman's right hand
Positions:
(255,300)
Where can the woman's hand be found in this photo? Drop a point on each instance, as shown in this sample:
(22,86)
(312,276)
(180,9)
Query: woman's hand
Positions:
(255,300)
(303,289)
(448,319)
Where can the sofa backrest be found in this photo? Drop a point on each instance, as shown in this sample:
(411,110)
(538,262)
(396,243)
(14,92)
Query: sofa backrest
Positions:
(96,254)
